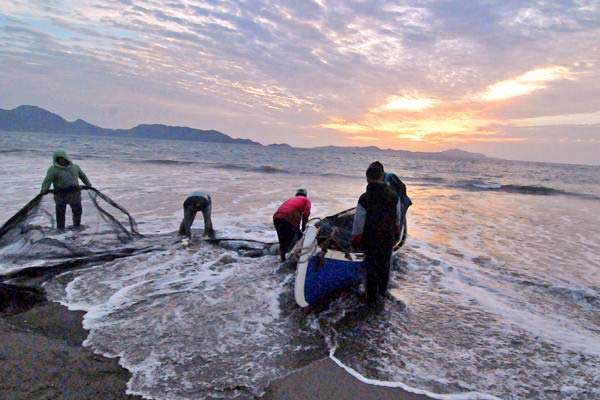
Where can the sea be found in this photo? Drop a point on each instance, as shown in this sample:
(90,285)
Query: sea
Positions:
(495,294)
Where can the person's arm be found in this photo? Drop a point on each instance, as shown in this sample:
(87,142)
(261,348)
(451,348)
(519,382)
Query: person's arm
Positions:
(83,177)
(358,225)
(306,214)
(399,215)
(48,180)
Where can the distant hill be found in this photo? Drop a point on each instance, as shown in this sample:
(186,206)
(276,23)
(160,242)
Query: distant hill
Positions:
(453,154)
(36,119)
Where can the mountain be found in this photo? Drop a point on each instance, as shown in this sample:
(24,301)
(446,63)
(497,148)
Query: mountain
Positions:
(460,154)
(36,119)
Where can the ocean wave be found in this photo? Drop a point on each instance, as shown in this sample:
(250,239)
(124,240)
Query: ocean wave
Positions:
(433,179)
(267,169)
(7,151)
(536,190)
(167,162)
(584,296)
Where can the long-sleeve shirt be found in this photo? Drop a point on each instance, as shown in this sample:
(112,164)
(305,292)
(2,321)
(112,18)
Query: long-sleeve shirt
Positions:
(294,210)
(64,177)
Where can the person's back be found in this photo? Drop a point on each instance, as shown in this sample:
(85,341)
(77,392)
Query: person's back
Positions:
(380,204)
(400,189)
(288,218)
(376,228)
(294,210)
(395,184)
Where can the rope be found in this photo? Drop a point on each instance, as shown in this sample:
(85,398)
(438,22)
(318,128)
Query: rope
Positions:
(219,240)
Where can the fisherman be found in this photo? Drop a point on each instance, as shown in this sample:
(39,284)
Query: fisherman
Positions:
(288,218)
(64,176)
(376,229)
(400,189)
(197,201)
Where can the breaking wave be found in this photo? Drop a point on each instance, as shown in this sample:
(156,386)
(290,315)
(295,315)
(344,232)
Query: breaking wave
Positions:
(521,189)
(168,162)
(267,169)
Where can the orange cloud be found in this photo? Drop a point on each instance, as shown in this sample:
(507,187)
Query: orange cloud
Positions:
(431,120)
(406,103)
(524,84)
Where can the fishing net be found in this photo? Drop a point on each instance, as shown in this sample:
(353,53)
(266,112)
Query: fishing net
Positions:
(31,236)
(335,231)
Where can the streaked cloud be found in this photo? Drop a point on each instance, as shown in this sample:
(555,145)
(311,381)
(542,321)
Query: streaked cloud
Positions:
(416,74)
(565,119)
(526,83)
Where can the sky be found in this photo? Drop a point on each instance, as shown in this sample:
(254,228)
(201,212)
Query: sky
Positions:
(511,79)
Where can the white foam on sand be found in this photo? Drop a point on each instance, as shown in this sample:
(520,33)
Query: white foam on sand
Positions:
(405,387)
(191,322)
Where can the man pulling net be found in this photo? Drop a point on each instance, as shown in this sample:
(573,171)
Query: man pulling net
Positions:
(64,177)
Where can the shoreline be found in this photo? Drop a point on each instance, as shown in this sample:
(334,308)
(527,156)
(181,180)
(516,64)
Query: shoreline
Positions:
(42,356)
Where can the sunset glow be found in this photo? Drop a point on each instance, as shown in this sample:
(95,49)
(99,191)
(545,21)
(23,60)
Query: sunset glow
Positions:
(419,76)
(401,103)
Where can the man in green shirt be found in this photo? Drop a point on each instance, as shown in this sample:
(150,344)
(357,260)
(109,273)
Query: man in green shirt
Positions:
(64,176)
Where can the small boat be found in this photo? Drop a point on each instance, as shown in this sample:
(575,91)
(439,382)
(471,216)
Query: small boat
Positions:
(327,263)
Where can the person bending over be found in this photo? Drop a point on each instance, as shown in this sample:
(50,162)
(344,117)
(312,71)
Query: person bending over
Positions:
(288,218)
(64,177)
(376,228)
(197,201)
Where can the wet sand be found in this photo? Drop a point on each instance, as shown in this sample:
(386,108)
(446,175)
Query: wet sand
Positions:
(325,380)
(42,357)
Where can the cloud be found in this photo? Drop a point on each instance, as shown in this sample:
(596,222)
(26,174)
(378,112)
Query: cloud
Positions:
(406,103)
(526,83)
(565,119)
(418,74)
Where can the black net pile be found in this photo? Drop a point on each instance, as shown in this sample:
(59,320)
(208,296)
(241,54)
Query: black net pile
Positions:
(335,231)
(31,236)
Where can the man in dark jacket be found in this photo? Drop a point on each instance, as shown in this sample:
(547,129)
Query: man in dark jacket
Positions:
(64,177)
(400,189)
(197,201)
(376,228)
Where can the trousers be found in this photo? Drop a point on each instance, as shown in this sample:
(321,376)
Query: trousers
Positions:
(377,263)
(191,206)
(287,234)
(72,198)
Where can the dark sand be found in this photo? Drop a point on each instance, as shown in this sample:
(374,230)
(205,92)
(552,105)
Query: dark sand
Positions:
(41,357)
(325,380)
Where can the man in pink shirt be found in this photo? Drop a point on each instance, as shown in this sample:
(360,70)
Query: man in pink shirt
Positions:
(288,218)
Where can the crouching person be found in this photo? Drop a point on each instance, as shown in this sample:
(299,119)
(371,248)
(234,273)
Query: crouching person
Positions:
(197,201)
(292,215)
(64,177)
(376,229)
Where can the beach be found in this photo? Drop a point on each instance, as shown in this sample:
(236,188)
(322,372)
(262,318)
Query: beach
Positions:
(495,293)
(42,357)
